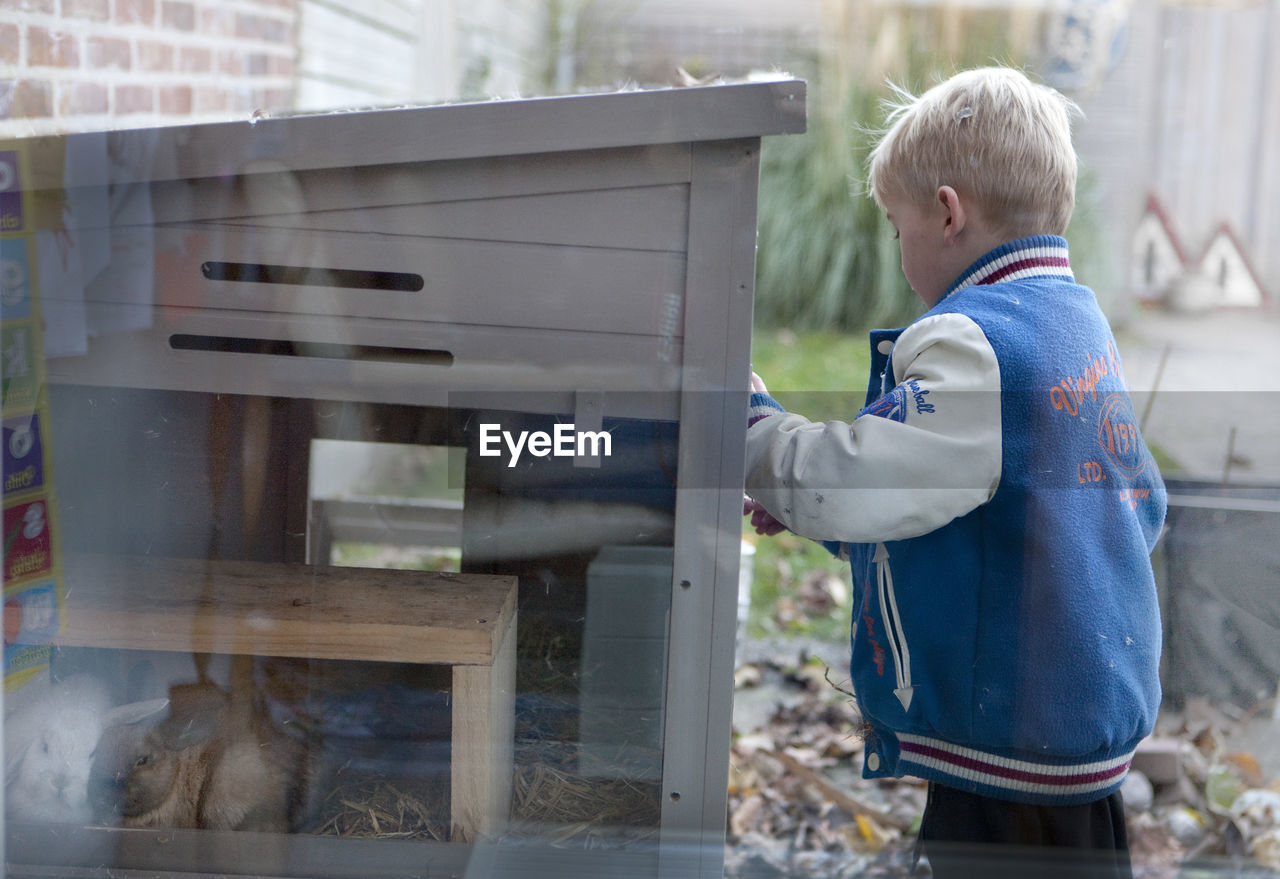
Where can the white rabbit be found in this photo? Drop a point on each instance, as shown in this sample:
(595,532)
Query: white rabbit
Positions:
(50,742)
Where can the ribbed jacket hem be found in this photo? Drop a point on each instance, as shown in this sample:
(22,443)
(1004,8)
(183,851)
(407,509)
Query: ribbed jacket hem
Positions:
(1007,778)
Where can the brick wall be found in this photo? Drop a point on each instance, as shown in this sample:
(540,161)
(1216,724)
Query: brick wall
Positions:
(72,65)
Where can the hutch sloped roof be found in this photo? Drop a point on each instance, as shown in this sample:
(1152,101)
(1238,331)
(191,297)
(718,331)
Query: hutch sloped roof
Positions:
(462,131)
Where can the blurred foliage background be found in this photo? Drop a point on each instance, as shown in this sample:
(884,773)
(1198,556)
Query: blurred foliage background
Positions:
(826,257)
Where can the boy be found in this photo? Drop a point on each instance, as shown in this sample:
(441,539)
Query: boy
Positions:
(994,497)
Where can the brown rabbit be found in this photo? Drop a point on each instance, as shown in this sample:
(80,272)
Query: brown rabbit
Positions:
(215,763)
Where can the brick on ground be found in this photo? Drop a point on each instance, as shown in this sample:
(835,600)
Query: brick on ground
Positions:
(1159,759)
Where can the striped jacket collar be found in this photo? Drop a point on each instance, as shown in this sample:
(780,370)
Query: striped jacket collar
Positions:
(1037,256)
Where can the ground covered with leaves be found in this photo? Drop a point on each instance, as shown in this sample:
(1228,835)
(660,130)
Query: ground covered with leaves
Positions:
(1203,799)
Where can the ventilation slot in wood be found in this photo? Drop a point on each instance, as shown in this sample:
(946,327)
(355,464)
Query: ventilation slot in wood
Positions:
(322,350)
(261,273)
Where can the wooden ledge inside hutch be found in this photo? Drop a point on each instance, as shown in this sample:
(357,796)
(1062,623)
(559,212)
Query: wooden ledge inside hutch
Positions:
(466,621)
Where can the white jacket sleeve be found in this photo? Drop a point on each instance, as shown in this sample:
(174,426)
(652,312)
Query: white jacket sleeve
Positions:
(926,453)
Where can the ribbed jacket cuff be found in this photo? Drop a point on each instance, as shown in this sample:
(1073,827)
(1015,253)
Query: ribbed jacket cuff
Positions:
(762,406)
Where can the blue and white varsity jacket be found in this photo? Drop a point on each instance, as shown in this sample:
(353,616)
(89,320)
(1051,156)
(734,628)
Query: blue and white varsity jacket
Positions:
(998,506)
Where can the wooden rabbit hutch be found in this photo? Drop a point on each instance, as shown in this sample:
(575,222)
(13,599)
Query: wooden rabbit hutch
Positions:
(555,295)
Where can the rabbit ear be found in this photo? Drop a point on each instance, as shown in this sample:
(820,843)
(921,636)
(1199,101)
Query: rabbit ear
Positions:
(133,712)
(13,756)
(22,728)
(177,734)
(198,698)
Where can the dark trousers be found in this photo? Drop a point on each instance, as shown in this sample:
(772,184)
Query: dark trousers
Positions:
(965,835)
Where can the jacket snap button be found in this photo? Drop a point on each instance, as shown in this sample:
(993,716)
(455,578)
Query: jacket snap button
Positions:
(873,762)
(884,346)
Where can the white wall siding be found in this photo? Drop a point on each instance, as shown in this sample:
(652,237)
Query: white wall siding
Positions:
(392,52)
(1192,116)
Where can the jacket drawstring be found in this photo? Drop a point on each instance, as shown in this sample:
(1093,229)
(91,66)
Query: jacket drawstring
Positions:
(893,627)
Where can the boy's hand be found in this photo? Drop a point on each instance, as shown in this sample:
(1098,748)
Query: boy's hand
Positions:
(757,385)
(761,520)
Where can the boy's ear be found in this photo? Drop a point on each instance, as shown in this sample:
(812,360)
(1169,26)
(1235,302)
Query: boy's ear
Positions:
(953,211)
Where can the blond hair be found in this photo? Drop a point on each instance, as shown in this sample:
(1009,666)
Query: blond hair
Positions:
(991,134)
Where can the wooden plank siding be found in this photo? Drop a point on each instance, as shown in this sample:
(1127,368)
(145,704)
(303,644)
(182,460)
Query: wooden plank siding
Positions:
(1191,115)
(356,56)
(394,52)
(495,283)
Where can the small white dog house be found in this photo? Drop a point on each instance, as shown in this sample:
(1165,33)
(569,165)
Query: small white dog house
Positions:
(1225,264)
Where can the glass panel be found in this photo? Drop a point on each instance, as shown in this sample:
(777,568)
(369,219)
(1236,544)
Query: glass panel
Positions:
(379,505)
(181,536)
(279,560)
